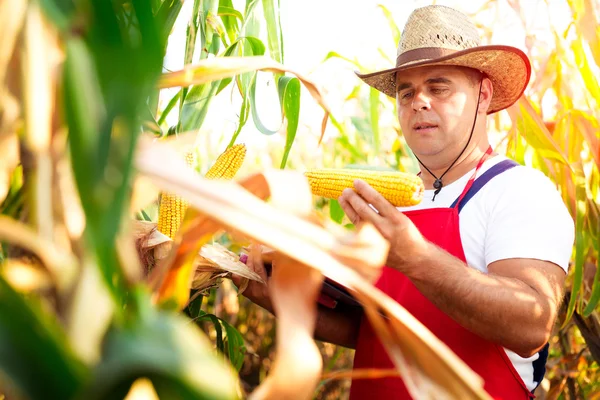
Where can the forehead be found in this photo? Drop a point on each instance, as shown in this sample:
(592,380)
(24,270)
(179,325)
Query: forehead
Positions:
(419,74)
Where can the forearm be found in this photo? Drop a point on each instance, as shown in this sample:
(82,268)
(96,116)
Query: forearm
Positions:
(337,326)
(500,309)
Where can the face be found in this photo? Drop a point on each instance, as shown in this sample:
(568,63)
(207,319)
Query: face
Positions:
(436,108)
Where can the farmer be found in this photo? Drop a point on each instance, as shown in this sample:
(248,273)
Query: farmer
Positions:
(482,260)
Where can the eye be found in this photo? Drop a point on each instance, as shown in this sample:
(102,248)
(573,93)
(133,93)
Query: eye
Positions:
(438,90)
(406,95)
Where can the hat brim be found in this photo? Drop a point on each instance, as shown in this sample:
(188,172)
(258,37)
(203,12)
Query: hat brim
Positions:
(507,67)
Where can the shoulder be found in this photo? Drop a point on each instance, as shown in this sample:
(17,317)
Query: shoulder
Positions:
(523,186)
(526,217)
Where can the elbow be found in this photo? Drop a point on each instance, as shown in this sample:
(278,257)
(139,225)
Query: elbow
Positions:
(529,345)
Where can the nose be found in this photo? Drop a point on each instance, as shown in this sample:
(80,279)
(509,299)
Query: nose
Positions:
(421,102)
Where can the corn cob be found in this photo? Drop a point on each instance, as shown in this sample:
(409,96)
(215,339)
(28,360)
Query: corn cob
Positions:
(402,189)
(228,163)
(173,208)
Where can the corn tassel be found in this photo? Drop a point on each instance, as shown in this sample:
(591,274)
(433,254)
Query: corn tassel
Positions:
(173,208)
(402,189)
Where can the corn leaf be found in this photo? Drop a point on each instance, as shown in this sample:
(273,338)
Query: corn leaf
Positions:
(393,27)
(584,15)
(225,67)
(533,130)
(230,16)
(588,76)
(271,12)
(33,355)
(589,128)
(289,97)
(167,15)
(336,212)
(174,354)
(595,295)
(60,12)
(232,345)
(254,108)
(374,118)
(580,245)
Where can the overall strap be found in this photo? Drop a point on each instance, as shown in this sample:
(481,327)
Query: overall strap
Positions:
(472,179)
(473,187)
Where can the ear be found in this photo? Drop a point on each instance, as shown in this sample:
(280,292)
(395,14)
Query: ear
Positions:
(487,90)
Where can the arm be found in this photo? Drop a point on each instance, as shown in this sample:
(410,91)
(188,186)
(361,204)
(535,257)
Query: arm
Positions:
(514,305)
(338,326)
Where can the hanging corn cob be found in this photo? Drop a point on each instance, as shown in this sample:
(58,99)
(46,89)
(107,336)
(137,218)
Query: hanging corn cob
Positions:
(172,208)
(402,189)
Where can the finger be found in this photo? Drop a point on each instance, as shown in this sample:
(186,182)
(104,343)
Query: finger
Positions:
(257,262)
(345,204)
(373,197)
(364,211)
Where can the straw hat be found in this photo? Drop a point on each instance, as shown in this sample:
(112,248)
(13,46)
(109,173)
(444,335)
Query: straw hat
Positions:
(439,35)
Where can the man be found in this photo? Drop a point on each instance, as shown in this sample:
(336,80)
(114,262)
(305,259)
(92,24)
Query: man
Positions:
(482,260)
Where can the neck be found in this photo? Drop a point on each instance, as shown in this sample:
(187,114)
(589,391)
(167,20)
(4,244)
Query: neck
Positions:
(467,161)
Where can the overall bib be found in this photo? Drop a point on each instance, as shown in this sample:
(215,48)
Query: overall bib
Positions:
(489,360)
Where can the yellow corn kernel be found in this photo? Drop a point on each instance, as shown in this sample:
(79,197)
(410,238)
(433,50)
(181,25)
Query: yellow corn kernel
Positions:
(228,163)
(172,208)
(402,189)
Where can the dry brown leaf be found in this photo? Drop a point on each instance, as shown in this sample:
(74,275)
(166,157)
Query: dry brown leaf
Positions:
(218,68)
(430,364)
(61,266)
(9,148)
(297,365)
(142,389)
(221,259)
(86,329)
(25,277)
(12,14)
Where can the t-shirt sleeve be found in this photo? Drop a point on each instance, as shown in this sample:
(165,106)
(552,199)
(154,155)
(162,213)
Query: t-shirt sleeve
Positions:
(528,219)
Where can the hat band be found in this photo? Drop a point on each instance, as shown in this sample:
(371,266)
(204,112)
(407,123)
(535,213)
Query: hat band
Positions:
(423,53)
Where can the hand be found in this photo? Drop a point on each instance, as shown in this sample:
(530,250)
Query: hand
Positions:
(406,242)
(257,292)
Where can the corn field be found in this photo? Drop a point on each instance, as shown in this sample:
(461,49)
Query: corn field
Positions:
(126,199)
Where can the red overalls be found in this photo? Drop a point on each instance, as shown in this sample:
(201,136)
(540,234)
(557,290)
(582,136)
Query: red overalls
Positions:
(440,226)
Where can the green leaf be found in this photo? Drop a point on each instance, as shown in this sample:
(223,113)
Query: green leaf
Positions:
(236,349)
(244,113)
(275,40)
(336,212)
(393,27)
(196,106)
(251,24)
(580,243)
(230,16)
(164,347)
(60,12)
(34,356)
(167,15)
(253,107)
(334,54)
(232,344)
(374,117)
(289,95)
(532,128)
(170,105)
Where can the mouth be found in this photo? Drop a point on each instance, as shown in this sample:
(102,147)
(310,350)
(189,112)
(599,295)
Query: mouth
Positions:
(424,127)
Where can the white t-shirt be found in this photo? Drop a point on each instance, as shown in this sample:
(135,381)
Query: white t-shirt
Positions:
(517,214)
